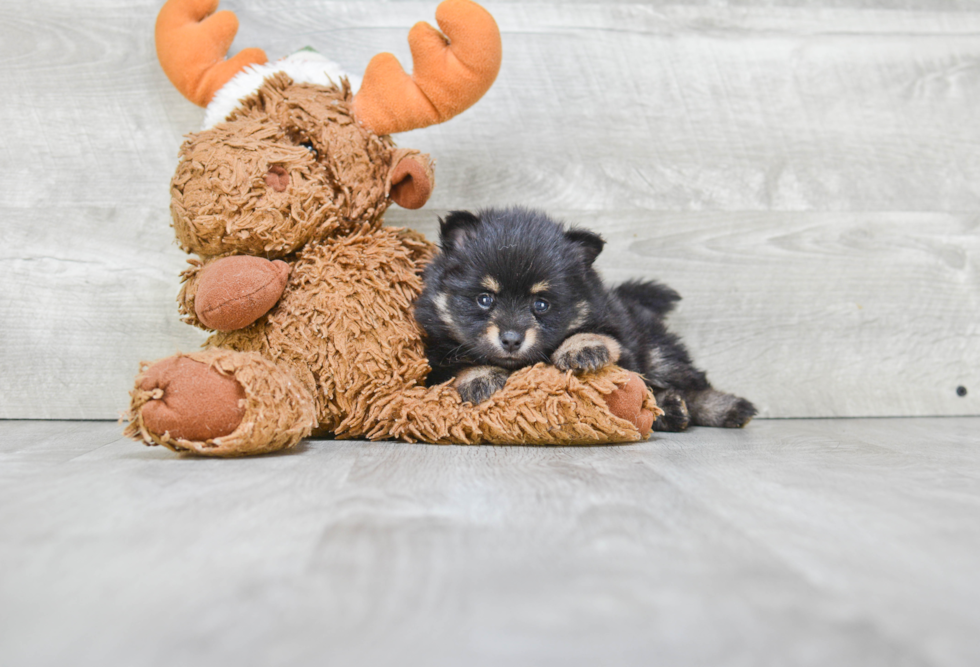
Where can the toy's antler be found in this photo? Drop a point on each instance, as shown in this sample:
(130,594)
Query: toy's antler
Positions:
(191,45)
(451,72)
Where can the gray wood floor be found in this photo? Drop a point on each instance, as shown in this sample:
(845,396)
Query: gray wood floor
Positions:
(821,542)
(804,172)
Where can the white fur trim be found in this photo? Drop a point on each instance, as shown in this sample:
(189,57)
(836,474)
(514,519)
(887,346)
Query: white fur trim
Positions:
(303,66)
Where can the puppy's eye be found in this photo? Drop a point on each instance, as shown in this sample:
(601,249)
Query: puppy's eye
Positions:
(485,301)
(541,306)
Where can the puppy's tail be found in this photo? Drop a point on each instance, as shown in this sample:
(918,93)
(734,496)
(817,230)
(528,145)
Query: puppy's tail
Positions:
(649,294)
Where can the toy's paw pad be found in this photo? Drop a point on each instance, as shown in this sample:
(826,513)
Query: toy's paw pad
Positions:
(479,383)
(626,402)
(193,401)
(586,352)
(676,416)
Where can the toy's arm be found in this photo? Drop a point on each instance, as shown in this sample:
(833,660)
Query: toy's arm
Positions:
(539,405)
(231,292)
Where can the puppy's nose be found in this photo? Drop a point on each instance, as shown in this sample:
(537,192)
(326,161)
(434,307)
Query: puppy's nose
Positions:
(511,340)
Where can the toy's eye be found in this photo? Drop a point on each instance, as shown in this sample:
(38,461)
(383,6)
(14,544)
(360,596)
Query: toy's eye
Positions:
(485,301)
(308,145)
(541,306)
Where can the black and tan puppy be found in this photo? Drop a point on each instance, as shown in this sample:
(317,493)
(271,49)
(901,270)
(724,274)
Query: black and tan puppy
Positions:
(512,287)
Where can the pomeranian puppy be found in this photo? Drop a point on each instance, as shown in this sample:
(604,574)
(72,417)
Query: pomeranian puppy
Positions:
(512,287)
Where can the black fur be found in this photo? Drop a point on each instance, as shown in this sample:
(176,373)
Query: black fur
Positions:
(482,386)
(517,250)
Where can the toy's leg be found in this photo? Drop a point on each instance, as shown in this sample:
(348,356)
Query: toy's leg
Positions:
(219,403)
(538,406)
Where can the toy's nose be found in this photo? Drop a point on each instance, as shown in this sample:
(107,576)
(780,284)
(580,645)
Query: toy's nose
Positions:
(511,340)
(277,179)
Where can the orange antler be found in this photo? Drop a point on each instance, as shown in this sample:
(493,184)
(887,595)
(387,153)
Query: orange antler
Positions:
(451,72)
(191,45)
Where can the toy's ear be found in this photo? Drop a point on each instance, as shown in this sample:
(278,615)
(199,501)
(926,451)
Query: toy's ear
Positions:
(454,229)
(411,180)
(589,243)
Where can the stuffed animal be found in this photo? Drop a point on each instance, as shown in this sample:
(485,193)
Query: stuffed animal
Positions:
(281,197)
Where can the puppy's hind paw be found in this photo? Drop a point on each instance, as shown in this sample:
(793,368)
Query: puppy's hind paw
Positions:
(479,383)
(676,416)
(586,352)
(711,407)
(739,414)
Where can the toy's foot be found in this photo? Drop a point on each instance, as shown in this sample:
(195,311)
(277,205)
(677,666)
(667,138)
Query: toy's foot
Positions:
(219,403)
(191,400)
(627,402)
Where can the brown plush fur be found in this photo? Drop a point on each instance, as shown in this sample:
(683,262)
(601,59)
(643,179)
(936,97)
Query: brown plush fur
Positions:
(340,351)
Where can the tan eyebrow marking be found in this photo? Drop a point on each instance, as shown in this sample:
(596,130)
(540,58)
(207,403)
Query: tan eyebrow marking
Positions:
(490,283)
(540,287)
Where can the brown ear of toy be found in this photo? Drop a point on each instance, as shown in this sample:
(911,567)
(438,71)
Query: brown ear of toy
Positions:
(191,43)
(412,181)
(452,70)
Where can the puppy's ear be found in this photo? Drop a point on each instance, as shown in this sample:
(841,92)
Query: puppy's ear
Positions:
(589,244)
(454,229)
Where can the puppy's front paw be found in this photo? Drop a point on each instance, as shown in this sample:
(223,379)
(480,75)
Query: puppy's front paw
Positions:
(586,352)
(479,383)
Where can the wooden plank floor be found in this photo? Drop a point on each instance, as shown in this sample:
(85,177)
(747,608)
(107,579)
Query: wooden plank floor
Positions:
(821,542)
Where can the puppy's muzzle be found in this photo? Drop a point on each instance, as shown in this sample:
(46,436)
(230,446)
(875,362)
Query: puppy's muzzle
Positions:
(511,341)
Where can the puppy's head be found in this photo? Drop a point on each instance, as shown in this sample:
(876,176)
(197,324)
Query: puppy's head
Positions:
(514,283)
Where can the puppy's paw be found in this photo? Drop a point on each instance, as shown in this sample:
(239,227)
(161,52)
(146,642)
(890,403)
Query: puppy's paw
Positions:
(676,416)
(711,407)
(479,383)
(739,414)
(586,352)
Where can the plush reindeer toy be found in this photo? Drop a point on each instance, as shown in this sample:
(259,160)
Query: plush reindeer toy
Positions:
(280,198)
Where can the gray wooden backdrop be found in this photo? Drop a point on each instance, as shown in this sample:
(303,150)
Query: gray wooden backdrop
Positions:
(805,172)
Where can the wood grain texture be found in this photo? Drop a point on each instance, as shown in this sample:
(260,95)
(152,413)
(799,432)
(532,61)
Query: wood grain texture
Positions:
(795,158)
(88,293)
(821,542)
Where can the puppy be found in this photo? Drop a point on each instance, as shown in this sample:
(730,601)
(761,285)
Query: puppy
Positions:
(511,287)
